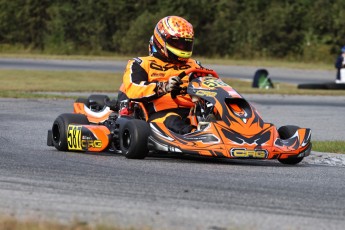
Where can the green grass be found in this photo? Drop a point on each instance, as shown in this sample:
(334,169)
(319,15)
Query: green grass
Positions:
(26,84)
(204,60)
(109,57)
(329,146)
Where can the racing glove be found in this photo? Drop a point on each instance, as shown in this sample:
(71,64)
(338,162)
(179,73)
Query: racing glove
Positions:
(173,83)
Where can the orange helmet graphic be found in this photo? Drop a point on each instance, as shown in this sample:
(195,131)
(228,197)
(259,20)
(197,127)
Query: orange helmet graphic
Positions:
(173,38)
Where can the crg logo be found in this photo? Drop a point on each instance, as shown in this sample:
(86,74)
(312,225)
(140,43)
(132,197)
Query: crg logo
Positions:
(166,67)
(244,153)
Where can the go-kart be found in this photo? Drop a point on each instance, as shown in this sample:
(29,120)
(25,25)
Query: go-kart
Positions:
(226,126)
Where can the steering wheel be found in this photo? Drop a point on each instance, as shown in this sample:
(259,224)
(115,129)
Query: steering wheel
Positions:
(174,93)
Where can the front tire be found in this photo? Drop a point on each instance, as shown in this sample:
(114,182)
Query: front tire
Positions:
(60,128)
(133,139)
(285,132)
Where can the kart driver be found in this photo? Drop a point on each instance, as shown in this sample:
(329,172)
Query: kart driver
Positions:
(150,79)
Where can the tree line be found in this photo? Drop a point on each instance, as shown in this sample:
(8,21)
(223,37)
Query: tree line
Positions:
(306,30)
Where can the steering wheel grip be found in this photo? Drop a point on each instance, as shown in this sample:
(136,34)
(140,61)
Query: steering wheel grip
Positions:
(174,93)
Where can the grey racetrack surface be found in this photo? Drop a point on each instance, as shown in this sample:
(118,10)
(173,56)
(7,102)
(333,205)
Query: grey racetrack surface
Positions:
(172,193)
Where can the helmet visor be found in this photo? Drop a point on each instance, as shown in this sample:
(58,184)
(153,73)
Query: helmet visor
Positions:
(181,47)
(183,44)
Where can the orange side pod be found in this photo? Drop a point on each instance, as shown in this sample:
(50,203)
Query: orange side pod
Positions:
(93,138)
(101,133)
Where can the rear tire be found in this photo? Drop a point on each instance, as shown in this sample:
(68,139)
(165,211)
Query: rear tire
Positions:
(98,99)
(134,139)
(60,127)
(291,161)
(95,102)
(85,101)
(285,132)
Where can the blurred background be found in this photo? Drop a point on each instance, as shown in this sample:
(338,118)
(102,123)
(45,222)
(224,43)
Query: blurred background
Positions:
(300,30)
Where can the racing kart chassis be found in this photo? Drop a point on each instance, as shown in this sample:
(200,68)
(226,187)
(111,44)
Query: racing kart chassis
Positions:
(227,126)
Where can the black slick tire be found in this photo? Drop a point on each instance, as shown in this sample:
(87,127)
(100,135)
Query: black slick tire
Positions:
(84,101)
(99,99)
(134,139)
(60,127)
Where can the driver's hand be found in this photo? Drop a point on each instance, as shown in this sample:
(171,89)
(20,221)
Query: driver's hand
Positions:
(173,84)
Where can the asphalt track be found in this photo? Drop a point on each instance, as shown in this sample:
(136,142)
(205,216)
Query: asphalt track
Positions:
(37,181)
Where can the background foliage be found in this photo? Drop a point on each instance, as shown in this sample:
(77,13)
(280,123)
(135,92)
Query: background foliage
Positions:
(306,30)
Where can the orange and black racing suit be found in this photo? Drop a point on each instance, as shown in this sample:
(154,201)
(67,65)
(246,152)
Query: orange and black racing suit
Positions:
(141,82)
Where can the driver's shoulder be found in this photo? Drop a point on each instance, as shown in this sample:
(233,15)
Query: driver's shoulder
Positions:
(194,63)
(146,60)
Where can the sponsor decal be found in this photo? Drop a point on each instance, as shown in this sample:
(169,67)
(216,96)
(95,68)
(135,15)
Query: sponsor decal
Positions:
(74,137)
(76,141)
(204,138)
(213,82)
(168,66)
(244,153)
(205,93)
(91,144)
(157,75)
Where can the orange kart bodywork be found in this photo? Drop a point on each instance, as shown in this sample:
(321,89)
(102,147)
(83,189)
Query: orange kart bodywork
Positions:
(92,138)
(217,140)
(226,124)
